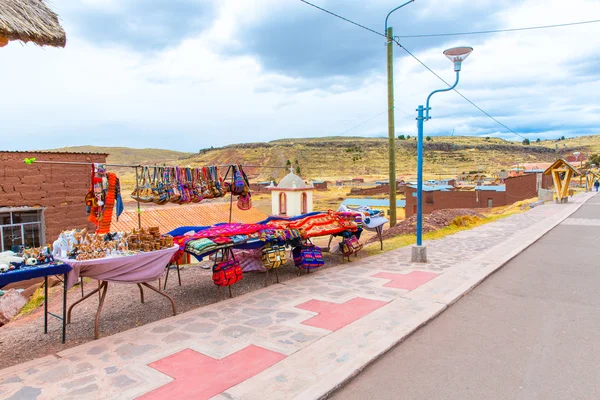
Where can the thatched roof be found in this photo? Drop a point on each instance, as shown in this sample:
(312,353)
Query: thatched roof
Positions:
(30,21)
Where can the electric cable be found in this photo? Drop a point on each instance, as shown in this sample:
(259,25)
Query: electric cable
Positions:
(499,30)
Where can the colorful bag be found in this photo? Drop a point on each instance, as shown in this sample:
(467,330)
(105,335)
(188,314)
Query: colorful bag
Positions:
(217,182)
(143,191)
(207,184)
(174,192)
(196,185)
(273,256)
(308,256)
(244,203)
(228,271)
(184,186)
(350,246)
(159,193)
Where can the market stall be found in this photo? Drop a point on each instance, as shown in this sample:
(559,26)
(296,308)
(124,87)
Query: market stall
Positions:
(133,258)
(371,219)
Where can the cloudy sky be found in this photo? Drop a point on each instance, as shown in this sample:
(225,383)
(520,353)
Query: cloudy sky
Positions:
(190,74)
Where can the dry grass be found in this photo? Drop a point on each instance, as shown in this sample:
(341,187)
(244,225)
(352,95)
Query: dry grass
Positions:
(30,21)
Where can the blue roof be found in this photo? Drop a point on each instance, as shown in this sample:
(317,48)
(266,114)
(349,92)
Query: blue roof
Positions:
(372,202)
(500,188)
(434,188)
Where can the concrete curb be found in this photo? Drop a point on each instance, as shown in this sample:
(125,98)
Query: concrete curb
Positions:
(456,294)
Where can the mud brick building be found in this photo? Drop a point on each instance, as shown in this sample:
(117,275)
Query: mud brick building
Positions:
(514,189)
(39,201)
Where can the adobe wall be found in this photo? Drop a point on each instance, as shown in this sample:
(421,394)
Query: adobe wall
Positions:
(60,189)
(521,188)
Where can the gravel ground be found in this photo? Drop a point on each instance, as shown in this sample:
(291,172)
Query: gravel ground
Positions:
(23,339)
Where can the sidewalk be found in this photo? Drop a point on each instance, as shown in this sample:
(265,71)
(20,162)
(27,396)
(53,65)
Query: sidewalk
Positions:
(301,339)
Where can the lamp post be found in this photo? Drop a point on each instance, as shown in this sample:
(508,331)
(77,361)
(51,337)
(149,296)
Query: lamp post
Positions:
(457,56)
(389,33)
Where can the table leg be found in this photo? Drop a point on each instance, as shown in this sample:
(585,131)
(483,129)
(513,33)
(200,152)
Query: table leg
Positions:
(276,275)
(46,304)
(230,292)
(64,320)
(79,301)
(267,278)
(141,292)
(103,286)
(162,294)
(81,280)
(178,274)
(380,235)
(166,277)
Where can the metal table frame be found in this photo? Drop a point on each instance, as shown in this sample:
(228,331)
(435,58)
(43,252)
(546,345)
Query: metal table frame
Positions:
(46,312)
(102,289)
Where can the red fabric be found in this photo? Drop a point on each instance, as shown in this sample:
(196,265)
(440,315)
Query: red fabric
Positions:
(318,225)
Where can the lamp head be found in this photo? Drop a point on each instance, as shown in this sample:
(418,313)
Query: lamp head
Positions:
(457,55)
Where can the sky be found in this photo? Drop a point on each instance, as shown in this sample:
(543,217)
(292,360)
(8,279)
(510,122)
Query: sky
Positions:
(191,74)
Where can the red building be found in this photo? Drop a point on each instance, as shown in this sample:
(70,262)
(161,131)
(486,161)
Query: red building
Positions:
(39,201)
(515,189)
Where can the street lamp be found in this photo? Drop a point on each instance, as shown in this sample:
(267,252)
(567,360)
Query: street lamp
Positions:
(457,55)
(389,33)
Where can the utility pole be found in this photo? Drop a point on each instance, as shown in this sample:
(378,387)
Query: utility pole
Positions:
(391,125)
(389,32)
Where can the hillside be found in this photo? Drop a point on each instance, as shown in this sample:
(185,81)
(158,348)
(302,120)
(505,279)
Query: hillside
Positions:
(346,157)
(126,155)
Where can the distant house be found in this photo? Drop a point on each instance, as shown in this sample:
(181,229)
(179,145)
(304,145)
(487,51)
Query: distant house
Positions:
(439,198)
(358,180)
(320,185)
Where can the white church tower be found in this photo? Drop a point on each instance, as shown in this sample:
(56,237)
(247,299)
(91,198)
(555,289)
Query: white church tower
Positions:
(292,197)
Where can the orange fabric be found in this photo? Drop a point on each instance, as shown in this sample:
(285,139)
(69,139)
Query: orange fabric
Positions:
(109,205)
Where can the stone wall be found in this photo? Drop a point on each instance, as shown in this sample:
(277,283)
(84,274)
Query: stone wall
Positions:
(59,189)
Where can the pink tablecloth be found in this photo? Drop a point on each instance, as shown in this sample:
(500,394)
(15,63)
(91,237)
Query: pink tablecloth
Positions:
(138,268)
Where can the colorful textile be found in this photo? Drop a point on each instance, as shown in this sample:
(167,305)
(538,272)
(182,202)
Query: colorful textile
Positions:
(318,225)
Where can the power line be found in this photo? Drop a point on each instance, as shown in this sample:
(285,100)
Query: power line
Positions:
(460,94)
(342,18)
(500,30)
(362,123)
(413,56)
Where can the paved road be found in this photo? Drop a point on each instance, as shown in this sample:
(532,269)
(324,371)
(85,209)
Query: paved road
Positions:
(531,331)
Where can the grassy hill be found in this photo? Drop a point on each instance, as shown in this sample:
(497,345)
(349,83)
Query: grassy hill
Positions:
(126,155)
(346,157)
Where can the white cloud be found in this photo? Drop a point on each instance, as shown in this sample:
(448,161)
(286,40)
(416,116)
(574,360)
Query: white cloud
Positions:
(196,93)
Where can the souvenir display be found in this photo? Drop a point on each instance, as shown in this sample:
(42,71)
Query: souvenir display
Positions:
(80,245)
(184,185)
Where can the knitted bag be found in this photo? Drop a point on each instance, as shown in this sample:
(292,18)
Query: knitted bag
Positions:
(143,192)
(350,246)
(308,256)
(228,271)
(273,256)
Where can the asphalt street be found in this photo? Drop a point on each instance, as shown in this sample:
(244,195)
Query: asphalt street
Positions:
(530,331)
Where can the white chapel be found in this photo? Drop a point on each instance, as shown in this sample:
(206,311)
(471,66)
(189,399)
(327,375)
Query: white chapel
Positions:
(292,197)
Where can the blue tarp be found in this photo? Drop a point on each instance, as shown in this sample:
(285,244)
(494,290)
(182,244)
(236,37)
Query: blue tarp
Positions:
(372,203)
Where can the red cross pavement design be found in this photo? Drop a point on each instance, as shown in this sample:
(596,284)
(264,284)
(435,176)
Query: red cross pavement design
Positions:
(197,376)
(406,281)
(334,316)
